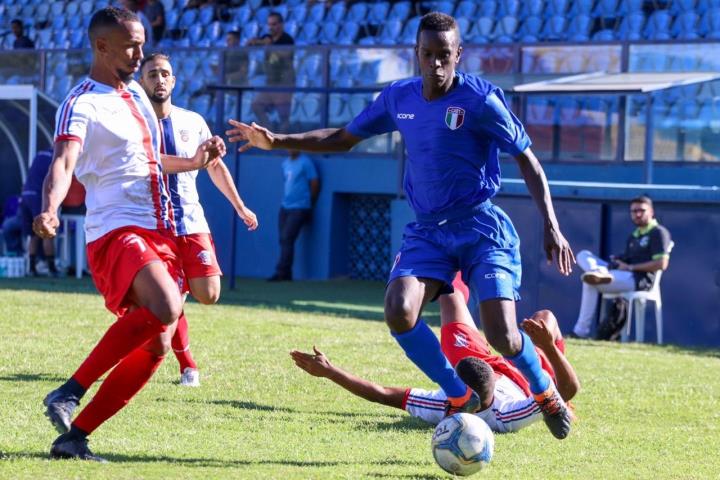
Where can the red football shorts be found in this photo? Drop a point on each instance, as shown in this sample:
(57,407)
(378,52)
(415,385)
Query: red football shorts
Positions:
(197,252)
(459,340)
(116,257)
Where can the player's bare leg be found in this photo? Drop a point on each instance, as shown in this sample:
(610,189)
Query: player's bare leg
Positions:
(502,333)
(405,298)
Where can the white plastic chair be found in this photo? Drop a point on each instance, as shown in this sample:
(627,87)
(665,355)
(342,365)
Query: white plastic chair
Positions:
(641,297)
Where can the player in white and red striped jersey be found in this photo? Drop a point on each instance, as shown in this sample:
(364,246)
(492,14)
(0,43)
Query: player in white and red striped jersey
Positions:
(182,131)
(506,402)
(107,134)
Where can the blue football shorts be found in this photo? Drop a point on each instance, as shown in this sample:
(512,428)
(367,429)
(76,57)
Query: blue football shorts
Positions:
(480,241)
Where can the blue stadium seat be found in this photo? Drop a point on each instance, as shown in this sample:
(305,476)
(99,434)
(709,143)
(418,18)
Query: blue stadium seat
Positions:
(308,34)
(579,28)
(683,63)
(532,8)
(686,26)
(254,4)
(531,29)
(710,24)
(391,31)
(242,15)
(291,28)
(59,37)
(58,23)
(214,31)
(555,28)
(250,29)
(71,8)
(206,15)
(358,102)
(605,35)
(465,9)
(400,11)
(298,14)
(171,19)
(200,104)
(86,7)
(195,33)
(27,11)
(378,13)
(584,7)
(407,37)
(369,72)
(508,8)
(261,15)
(658,26)
(348,33)
(556,8)
(441,6)
(187,19)
(336,13)
(357,12)
(505,29)
(77,38)
(316,13)
(482,30)
(329,32)
(487,8)
(631,6)
(42,11)
(339,110)
(607,12)
(74,23)
(631,27)
(44,37)
(678,7)
(57,9)
(464,26)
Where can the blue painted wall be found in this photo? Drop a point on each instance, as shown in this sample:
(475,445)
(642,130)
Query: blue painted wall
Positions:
(591,218)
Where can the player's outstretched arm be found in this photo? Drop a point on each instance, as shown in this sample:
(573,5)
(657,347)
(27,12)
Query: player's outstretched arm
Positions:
(321,140)
(556,246)
(55,187)
(220,176)
(318,365)
(208,151)
(541,329)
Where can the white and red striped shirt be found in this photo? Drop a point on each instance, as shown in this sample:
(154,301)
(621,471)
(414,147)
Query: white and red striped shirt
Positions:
(119,164)
(510,411)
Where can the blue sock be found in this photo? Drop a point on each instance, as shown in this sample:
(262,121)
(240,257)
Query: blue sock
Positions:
(528,362)
(423,348)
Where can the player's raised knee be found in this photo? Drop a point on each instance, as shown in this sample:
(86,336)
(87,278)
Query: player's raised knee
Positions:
(167,306)
(206,291)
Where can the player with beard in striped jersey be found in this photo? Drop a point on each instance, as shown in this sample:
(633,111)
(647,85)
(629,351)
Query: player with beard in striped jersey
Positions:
(108,135)
(182,132)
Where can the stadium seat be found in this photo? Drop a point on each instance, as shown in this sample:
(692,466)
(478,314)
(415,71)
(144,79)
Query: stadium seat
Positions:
(378,13)
(357,12)
(44,37)
(57,9)
(410,31)
(658,26)
(338,110)
(532,8)
(291,28)
(86,7)
(505,29)
(41,12)
(308,34)
(442,6)
(464,26)
(465,9)
(214,31)
(77,38)
(556,8)
(508,8)
(631,6)
(261,15)
(254,4)
(605,35)
(316,13)
(27,11)
(487,8)
(686,26)
(358,102)
(171,19)
(58,23)
(579,28)
(242,15)
(531,29)
(200,104)
(298,14)
(187,19)
(584,7)
(631,27)
(336,13)
(328,32)
(195,33)
(206,15)
(482,31)
(74,23)
(710,24)
(391,31)
(399,11)
(348,32)
(555,28)
(678,7)
(251,29)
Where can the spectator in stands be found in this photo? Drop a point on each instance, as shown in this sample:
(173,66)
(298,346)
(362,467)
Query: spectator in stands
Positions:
(233,39)
(302,187)
(279,72)
(21,41)
(647,251)
(155,13)
(135,7)
(30,207)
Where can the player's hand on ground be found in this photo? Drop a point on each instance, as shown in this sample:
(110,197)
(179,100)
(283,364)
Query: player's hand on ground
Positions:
(538,332)
(45,225)
(249,217)
(316,364)
(254,135)
(558,248)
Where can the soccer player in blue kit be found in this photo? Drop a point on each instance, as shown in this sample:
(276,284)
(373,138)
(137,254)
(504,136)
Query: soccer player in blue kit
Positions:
(453,125)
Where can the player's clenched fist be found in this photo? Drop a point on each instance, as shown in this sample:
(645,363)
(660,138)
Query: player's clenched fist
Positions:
(45,225)
(211,149)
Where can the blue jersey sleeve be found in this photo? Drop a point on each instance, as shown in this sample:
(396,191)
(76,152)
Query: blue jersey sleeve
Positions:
(502,125)
(375,119)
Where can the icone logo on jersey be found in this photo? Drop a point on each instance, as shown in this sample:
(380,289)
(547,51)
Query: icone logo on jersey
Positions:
(406,116)
(184,135)
(454,117)
(495,275)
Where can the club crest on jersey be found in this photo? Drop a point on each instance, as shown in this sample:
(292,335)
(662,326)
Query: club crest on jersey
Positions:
(184,135)
(461,340)
(454,117)
(205,257)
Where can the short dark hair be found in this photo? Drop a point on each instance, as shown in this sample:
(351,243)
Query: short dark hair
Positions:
(17,21)
(109,17)
(152,57)
(278,15)
(478,375)
(437,22)
(643,199)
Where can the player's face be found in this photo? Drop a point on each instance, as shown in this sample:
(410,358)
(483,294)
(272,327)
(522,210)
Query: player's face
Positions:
(438,54)
(157,79)
(641,213)
(120,49)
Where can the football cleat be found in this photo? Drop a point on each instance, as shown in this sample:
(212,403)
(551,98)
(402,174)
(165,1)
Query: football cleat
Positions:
(72,446)
(555,412)
(60,408)
(469,403)
(190,378)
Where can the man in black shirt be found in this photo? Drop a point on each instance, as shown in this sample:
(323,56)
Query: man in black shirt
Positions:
(279,72)
(21,41)
(647,251)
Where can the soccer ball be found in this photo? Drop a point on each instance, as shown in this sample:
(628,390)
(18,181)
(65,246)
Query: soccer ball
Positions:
(462,444)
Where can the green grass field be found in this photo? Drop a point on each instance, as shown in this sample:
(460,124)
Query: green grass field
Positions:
(645,411)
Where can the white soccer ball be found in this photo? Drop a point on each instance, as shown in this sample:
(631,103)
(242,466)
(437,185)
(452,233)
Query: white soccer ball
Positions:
(463,444)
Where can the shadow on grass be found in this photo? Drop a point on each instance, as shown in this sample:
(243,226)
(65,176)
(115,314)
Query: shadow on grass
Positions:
(32,377)
(677,349)
(406,423)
